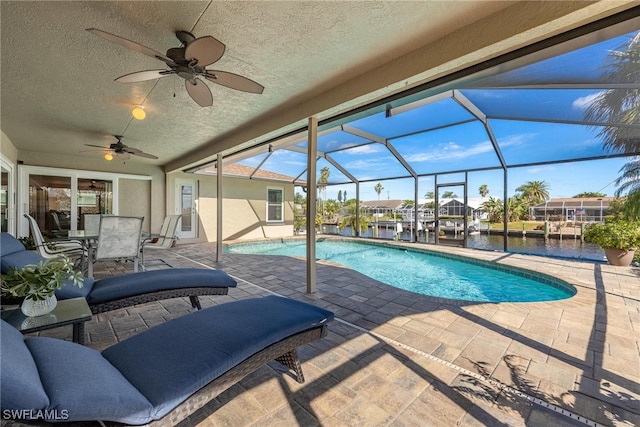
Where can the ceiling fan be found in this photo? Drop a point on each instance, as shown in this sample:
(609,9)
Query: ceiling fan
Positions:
(189,62)
(123,151)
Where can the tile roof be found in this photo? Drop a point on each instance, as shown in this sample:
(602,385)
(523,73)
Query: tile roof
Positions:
(243,171)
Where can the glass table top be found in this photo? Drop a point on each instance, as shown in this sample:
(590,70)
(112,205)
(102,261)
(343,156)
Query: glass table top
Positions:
(67,312)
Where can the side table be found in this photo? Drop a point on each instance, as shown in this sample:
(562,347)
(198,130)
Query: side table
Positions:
(73,311)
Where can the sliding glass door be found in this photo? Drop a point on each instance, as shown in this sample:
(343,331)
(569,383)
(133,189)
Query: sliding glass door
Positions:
(52,199)
(95,196)
(58,199)
(50,204)
(7,205)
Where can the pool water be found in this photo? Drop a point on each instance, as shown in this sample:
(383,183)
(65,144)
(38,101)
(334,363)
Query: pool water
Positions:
(424,273)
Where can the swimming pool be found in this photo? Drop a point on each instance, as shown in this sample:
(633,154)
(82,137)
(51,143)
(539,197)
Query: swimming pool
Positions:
(431,274)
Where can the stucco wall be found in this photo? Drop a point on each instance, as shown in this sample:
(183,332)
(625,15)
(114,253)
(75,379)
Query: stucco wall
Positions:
(7,148)
(243,207)
(244,210)
(134,200)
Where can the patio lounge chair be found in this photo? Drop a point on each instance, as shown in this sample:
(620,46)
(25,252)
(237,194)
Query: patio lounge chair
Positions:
(130,289)
(159,376)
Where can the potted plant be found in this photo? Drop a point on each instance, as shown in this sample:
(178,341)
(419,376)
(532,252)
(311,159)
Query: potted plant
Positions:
(36,284)
(618,237)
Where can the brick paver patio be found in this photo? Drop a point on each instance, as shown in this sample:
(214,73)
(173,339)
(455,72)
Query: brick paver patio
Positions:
(394,358)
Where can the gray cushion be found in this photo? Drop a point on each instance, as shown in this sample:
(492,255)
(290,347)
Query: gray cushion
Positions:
(116,287)
(20,385)
(171,361)
(82,382)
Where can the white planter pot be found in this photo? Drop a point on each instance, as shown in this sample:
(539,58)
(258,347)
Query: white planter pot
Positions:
(33,308)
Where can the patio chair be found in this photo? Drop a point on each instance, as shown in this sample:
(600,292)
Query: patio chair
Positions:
(168,235)
(60,229)
(54,249)
(91,224)
(119,239)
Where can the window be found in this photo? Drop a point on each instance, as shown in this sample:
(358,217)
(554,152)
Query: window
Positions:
(275,205)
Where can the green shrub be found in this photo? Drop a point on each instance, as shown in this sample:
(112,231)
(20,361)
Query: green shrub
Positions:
(614,234)
(38,281)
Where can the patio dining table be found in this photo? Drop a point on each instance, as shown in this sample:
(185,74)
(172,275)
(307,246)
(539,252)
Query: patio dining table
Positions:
(90,240)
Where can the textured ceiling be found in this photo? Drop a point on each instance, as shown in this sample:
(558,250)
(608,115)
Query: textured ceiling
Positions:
(57,80)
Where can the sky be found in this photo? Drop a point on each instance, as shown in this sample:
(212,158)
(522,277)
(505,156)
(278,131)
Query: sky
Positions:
(535,121)
(564,180)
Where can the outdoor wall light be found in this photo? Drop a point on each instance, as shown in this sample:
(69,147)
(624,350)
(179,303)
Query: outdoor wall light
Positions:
(108,156)
(138,112)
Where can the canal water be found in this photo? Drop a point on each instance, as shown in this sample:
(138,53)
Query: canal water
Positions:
(567,247)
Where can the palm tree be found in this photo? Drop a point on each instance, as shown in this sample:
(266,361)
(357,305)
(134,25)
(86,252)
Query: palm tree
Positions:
(535,192)
(449,195)
(483,190)
(430,195)
(378,189)
(331,207)
(619,106)
(589,194)
(322,183)
(622,106)
(517,208)
(349,219)
(494,209)
(630,180)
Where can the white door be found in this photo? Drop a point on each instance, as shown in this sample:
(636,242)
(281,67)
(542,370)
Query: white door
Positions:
(186,196)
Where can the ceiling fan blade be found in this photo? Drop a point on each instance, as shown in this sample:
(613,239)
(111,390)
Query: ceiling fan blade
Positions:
(138,152)
(199,92)
(141,76)
(103,151)
(206,50)
(234,81)
(137,47)
(97,146)
(143,154)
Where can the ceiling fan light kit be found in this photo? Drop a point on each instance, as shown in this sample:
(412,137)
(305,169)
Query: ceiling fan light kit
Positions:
(189,62)
(138,112)
(122,151)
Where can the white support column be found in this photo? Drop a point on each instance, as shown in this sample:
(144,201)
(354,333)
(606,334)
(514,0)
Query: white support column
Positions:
(218,207)
(312,149)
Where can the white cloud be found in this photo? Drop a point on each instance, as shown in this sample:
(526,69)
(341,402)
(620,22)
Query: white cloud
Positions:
(541,169)
(364,149)
(450,151)
(363,164)
(584,102)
